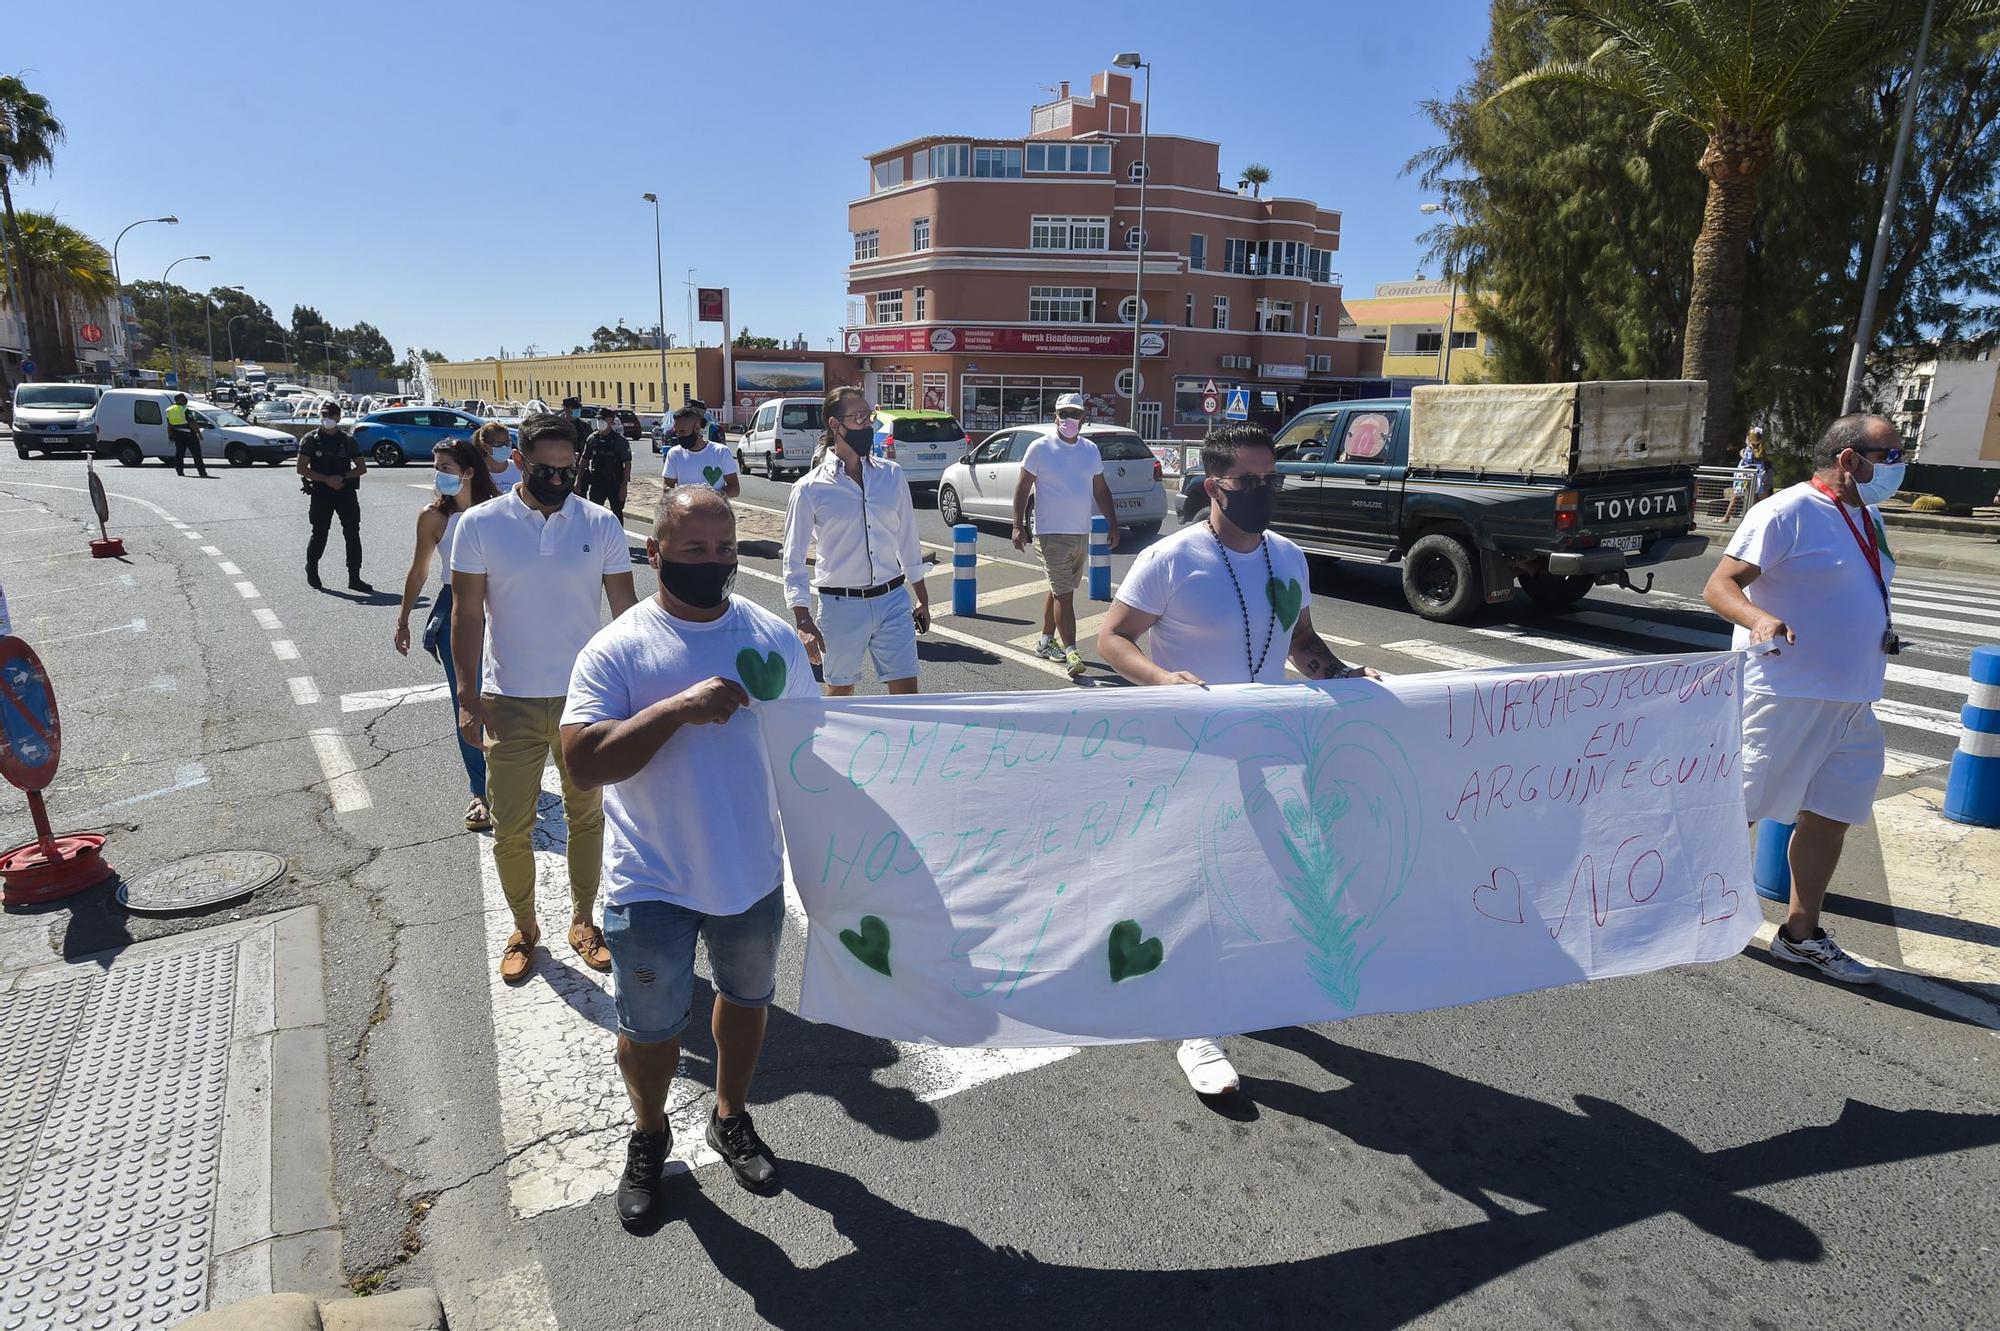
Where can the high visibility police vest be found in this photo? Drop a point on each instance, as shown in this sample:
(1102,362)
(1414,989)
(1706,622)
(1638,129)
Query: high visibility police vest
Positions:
(177,414)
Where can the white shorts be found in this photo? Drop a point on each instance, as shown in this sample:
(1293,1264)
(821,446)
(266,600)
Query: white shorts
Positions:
(877,627)
(1806,754)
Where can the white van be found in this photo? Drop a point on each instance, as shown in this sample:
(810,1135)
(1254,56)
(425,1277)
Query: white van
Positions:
(54,418)
(781,437)
(131,425)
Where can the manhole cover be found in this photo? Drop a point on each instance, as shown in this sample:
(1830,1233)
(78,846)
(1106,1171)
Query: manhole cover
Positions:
(204,880)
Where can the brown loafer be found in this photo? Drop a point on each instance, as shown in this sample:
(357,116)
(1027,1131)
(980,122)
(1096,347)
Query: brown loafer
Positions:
(517,959)
(588,940)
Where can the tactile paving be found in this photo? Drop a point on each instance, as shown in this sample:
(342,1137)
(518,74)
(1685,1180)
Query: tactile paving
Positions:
(112,1141)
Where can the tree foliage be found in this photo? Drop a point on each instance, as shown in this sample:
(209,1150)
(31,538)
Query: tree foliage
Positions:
(621,338)
(67,277)
(745,339)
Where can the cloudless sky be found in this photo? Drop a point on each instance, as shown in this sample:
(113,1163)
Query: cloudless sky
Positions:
(467,176)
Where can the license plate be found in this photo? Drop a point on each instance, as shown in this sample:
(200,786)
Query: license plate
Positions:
(1631,545)
(1129,504)
(930,457)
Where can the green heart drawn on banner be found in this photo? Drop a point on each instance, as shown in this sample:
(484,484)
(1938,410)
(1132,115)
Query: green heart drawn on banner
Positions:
(1132,955)
(1286,598)
(713,475)
(871,945)
(763,676)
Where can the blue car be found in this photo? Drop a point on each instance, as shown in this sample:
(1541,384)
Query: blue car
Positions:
(391,438)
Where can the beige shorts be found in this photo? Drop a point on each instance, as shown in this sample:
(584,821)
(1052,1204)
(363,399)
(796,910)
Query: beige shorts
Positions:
(1064,557)
(1805,754)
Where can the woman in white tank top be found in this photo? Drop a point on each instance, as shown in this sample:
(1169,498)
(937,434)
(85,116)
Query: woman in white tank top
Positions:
(463,479)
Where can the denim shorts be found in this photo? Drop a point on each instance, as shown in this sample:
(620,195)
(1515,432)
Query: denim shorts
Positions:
(652,960)
(878,626)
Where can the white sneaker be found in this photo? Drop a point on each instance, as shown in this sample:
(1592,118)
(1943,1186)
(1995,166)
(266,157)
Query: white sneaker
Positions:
(1048,648)
(1207,1067)
(1823,955)
(1073,662)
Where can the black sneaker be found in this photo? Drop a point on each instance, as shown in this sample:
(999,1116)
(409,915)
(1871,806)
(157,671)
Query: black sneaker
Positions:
(355,584)
(737,1142)
(312,578)
(645,1164)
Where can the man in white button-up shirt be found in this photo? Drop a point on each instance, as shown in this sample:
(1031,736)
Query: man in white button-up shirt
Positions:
(857,507)
(527,570)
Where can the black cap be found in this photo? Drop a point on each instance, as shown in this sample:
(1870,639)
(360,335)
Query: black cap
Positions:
(572,402)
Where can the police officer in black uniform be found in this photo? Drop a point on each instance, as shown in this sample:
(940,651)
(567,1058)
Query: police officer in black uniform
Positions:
(333,467)
(606,463)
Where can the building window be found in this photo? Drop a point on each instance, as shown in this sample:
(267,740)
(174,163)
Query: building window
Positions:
(889,174)
(1197,252)
(1429,344)
(951,159)
(1319,364)
(1125,388)
(937,391)
(893,391)
(867,244)
(920,165)
(1126,306)
(1319,265)
(997,163)
(920,234)
(889,307)
(1235,256)
(1070,158)
(1187,319)
(989,401)
(1136,172)
(1274,316)
(1221,314)
(918,305)
(1463,341)
(1062,305)
(1315,324)
(1069,233)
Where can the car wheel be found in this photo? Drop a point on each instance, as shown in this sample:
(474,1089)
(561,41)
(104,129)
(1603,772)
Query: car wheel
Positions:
(387,454)
(22,449)
(238,455)
(1555,591)
(948,506)
(740,464)
(129,455)
(1440,578)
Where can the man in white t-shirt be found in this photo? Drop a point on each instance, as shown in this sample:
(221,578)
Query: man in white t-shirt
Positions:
(1064,473)
(693,460)
(1809,569)
(527,570)
(656,717)
(1228,602)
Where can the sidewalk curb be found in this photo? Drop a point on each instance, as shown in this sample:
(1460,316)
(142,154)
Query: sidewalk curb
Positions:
(404,1310)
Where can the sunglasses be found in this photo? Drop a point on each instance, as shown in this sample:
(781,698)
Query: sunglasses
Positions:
(1888,457)
(1246,484)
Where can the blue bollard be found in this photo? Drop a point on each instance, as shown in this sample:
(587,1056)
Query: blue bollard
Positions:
(964,556)
(1972,794)
(1772,868)
(1100,558)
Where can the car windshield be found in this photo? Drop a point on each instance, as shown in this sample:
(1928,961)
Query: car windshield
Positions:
(55,395)
(1121,446)
(804,416)
(226,419)
(928,430)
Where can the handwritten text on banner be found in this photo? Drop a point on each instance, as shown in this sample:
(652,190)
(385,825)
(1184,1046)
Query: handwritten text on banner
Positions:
(1131,864)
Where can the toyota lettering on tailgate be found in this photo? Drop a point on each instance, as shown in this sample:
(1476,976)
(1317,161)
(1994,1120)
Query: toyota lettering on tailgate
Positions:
(1663,505)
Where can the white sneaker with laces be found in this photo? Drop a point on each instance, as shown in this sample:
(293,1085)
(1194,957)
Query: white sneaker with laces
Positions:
(1208,1069)
(1048,648)
(1824,955)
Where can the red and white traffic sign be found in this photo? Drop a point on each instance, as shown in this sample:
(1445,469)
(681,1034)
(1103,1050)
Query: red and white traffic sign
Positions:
(1211,401)
(91,333)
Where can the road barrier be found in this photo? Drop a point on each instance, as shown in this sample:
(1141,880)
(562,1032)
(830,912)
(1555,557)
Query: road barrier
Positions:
(964,578)
(1972,794)
(1100,558)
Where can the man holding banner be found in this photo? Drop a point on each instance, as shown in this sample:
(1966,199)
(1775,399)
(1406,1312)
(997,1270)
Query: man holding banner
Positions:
(1214,597)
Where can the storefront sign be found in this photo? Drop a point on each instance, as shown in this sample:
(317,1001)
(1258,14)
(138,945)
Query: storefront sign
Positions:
(709,299)
(1033,340)
(1281,371)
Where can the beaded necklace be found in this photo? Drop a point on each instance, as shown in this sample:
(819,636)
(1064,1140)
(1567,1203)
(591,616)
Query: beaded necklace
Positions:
(1270,629)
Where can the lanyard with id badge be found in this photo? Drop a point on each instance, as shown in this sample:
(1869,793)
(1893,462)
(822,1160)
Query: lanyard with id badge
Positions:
(1871,550)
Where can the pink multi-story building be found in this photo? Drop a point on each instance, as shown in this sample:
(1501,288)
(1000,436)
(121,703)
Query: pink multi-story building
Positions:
(992,275)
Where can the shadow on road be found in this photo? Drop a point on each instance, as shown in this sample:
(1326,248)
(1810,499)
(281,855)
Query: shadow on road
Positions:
(1591,1172)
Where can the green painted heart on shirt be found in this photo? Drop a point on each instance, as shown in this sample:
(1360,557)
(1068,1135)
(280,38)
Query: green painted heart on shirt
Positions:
(1286,598)
(763,675)
(1132,954)
(871,945)
(713,475)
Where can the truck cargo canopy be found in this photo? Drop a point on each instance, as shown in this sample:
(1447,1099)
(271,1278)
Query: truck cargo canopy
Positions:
(1557,430)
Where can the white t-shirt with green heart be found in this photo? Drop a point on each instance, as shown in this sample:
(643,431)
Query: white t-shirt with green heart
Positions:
(1201,628)
(697,825)
(709,466)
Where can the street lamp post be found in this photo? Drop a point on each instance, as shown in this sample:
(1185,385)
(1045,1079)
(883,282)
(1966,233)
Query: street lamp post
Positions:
(1131,60)
(1451,310)
(229,331)
(208,319)
(689,284)
(167,299)
(124,332)
(660,288)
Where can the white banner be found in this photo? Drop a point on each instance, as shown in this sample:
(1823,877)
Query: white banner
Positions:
(1136,864)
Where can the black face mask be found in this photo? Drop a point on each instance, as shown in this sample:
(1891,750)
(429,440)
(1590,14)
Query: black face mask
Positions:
(550,485)
(702,586)
(1249,509)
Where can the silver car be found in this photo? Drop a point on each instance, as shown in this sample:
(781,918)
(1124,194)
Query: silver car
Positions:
(979,487)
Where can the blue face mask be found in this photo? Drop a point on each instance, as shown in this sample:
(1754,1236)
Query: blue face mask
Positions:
(448,483)
(1888,479)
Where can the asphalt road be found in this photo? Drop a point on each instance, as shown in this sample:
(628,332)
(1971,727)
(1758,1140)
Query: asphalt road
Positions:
(1732,1145)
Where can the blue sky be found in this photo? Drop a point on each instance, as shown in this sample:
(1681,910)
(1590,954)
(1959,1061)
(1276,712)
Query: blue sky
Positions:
(468,176)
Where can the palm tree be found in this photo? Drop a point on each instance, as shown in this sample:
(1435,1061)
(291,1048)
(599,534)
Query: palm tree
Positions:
(29,133)
(1736,73)
(70,275)
(1256,176)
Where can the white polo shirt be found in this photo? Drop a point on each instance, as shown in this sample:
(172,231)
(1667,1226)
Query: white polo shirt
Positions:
(544,586)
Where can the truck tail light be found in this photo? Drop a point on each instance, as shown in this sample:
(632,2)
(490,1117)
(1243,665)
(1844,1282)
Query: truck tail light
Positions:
(1567,517)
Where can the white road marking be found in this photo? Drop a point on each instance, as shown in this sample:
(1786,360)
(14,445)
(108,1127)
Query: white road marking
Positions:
(191,535)
(1897,762)
(136,626)
(374,700)
(1452,658)
(1945,997)
(1086,634)
(123,580)
(228,569)
(343,781)
(1894,713)
(304,691)
(1559,646)
(284,649)
(211,552)
(248,590)
(186,777)
(267,618)
(928,545)
(29,531)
